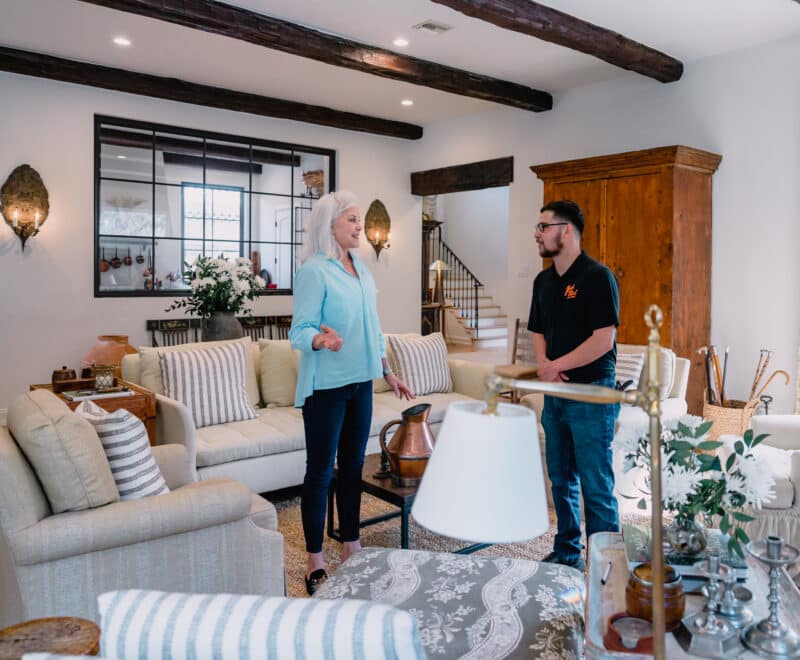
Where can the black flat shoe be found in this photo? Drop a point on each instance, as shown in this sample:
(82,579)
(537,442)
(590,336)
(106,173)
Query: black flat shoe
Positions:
(315,580)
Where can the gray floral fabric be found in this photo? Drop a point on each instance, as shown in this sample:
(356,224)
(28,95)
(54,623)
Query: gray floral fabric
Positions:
(472,607)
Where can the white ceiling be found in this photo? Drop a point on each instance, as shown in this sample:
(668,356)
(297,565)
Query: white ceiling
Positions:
(685,29)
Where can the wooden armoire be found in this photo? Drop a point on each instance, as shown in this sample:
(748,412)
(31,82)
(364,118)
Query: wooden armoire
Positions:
(648,218)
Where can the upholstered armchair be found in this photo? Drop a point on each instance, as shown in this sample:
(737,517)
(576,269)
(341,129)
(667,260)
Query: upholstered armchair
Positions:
(207,537)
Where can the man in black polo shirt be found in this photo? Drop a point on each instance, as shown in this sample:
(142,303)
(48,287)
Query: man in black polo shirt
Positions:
(574,318)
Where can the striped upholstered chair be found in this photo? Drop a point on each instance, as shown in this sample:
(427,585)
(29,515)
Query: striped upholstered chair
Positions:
(209,537)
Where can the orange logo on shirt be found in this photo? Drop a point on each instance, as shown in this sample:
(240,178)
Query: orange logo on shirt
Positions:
(570,292)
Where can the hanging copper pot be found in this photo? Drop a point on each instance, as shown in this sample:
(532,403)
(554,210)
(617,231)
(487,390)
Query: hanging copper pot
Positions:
(410,447)
(140,256)
(149,270)
(128,260)
(104,265)
(116,262)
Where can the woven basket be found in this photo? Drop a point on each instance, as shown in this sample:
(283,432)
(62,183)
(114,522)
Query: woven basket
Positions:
(733,419)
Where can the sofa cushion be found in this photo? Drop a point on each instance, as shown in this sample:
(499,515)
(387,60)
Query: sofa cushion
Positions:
(223,625)
(127,447)
(209,382)
(628,370)
(422,362)
(278,368)
(439,403)
(273,431)
(666,367)
(64,451)
(150,365)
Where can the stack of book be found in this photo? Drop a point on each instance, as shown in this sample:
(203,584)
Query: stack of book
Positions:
(89,394)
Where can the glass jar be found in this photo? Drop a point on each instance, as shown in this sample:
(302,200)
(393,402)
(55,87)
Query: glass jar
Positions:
(687,536)
(639,595)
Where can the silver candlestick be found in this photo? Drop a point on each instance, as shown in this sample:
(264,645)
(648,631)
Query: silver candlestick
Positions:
(770,636)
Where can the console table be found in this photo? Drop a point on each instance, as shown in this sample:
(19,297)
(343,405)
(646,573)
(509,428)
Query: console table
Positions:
(602,601)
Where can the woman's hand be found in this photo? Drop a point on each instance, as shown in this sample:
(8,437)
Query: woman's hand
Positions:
(327,338)
(400,389)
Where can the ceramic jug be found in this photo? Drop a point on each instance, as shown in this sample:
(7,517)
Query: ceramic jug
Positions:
(410,447)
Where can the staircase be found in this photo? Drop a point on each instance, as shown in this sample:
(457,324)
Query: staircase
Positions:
(489,332)
(472,317)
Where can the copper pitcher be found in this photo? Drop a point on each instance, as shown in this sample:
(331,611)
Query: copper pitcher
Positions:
(410,447)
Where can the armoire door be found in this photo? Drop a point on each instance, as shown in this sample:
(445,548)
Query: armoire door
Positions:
(638,241)
(590,196)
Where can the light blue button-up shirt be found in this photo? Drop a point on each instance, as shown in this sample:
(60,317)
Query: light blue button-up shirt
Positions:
(326,294)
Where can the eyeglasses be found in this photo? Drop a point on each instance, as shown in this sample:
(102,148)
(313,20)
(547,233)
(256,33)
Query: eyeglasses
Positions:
(540,227)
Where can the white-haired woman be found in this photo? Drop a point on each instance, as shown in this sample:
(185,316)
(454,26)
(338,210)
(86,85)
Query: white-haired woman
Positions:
(335,325)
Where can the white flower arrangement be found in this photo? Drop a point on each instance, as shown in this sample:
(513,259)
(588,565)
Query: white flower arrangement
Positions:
(219,285)
(694,480)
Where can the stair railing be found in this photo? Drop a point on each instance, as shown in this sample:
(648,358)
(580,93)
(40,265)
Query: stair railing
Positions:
(460,284)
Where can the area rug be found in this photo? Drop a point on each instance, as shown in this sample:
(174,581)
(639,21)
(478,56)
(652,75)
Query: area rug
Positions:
(387,535)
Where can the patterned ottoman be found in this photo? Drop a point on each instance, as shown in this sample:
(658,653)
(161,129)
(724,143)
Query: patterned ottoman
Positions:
(472,607)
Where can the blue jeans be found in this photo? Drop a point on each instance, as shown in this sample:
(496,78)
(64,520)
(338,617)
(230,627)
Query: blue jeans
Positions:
(578,452)
(337,424)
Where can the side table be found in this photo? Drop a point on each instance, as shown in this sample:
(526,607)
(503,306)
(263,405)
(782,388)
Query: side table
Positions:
(602,601)
(63,635)
(142,404)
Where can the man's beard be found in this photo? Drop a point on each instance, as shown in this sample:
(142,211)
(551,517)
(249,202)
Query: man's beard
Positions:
(549,254)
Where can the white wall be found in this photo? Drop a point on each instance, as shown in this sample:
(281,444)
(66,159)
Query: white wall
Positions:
(50,314)
(744,106)
(476,229)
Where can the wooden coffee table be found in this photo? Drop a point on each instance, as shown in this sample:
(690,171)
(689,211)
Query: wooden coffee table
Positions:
(385,490)
(141,404)
(63,635)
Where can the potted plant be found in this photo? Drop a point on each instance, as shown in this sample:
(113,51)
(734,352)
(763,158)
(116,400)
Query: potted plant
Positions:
(697,479)
(221,288)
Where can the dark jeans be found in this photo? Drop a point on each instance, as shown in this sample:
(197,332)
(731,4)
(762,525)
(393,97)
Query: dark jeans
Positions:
(336,423)
(578,451)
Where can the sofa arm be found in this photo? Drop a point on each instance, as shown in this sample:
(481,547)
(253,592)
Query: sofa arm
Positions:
(469,378)
(195,506)
(174,424)
(173,461)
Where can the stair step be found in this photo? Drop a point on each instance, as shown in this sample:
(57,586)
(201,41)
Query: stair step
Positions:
(499,321)
(489,312)
(492,333)
(490,343)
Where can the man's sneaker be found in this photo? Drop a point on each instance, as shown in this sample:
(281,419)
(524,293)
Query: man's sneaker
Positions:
(555,558)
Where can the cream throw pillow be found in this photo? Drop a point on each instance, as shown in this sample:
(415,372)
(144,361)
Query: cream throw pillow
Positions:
(63,450)
(422,362)
(279,365)
(151,367)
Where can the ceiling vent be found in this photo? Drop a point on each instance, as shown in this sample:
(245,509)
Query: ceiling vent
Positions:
(433,27)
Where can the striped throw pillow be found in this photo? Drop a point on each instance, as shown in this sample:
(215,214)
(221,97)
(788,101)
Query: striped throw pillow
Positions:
(138,625)
(210,382)
(421,362)
(629,370)
(124,439)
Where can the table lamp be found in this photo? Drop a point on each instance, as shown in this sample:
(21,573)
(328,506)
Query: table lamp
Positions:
(497,445)
(439,267)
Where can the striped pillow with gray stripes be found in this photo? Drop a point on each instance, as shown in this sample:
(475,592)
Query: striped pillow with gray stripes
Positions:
(210,382)
(629,370)
(127,447)
(421,362)
(138,625)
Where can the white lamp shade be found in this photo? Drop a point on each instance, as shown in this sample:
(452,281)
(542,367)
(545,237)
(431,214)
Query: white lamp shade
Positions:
(484,481)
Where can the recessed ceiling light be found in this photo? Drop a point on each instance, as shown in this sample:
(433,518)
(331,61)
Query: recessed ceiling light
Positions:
(122,41)
(407,102)
(400,42)
(121,157)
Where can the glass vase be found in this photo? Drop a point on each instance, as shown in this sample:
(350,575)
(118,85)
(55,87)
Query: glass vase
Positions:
(687,536)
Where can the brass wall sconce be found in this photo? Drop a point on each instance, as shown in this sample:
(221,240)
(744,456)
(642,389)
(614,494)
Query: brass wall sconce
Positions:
(377,227)
(24,202)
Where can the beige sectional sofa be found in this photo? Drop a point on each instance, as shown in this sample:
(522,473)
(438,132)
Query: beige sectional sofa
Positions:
(268,453)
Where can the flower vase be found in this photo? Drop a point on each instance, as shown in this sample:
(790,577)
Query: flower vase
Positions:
(222,325)
(687,536)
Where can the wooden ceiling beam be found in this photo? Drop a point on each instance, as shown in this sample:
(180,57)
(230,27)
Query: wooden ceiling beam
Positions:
(262,30)
(174,89)
(551,25)
(458,178)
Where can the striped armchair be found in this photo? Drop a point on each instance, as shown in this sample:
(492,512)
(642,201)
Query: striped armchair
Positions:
(213,536)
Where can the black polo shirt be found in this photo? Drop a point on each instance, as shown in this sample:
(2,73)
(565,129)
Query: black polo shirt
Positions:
(568,308)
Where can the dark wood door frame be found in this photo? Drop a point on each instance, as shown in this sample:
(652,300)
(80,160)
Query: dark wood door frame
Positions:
(459,178)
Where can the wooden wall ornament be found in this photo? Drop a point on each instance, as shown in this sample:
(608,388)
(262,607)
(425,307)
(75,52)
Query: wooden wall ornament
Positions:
(24,202)
(378,227)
